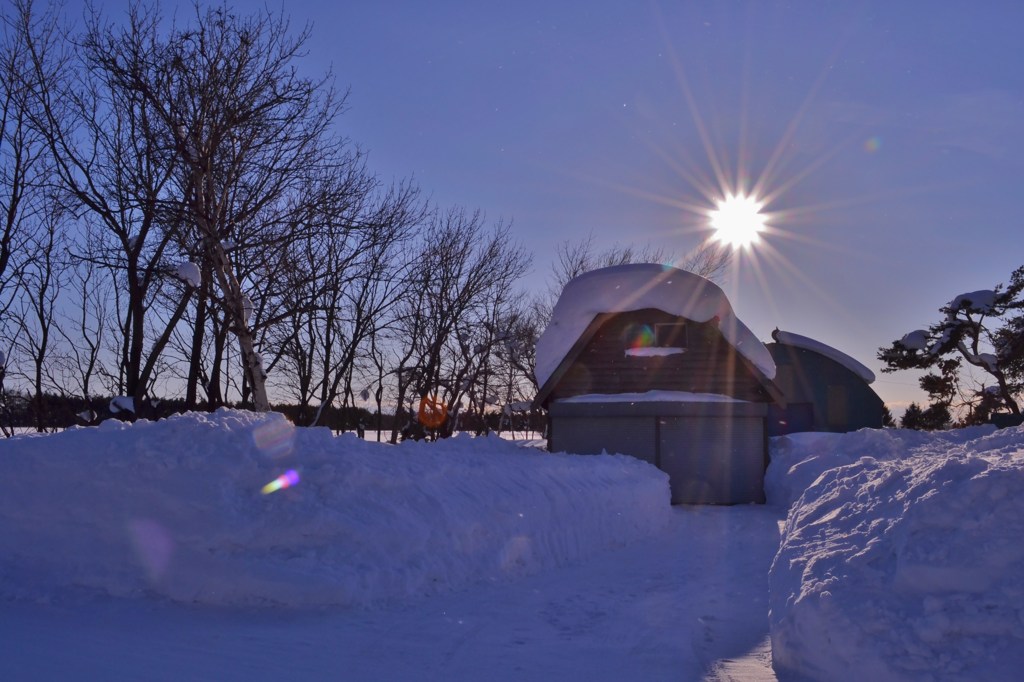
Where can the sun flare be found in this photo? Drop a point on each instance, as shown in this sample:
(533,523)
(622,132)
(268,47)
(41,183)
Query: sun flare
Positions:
(738,221)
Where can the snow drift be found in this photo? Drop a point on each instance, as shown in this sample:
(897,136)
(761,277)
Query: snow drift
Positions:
(902,556)
(174,509)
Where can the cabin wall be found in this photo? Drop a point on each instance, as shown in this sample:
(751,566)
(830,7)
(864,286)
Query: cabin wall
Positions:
(707,363)
(821,395)
(714,453)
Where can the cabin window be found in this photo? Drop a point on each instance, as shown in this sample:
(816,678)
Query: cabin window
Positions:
(670,335)
(644,340)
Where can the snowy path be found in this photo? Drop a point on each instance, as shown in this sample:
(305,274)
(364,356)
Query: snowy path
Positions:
(689,605)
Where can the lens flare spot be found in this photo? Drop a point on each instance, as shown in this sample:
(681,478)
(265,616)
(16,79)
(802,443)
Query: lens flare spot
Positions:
(517,555)
(153,546)
(274,438)
(872,144)
(433,412)
(285,480)
(639,336)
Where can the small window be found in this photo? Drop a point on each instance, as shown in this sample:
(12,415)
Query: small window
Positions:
(670,335)
(644,340)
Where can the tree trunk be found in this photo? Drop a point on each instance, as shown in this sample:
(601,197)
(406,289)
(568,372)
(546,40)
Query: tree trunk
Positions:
(234,304)
(196,358)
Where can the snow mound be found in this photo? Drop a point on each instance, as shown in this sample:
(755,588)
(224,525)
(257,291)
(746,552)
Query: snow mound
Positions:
(623,288)
(174,509)
(907,565)
(798,459)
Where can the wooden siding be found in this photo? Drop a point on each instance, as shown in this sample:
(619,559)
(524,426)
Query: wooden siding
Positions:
(713,460)
(714,453)
(709,364)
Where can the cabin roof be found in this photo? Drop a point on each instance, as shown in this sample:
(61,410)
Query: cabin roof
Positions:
(806,343)
(637,286)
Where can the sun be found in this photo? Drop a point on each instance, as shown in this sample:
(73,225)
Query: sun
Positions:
(737,220)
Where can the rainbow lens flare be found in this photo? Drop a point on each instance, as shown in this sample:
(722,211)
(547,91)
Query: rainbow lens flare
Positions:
(285,480)
(639,336)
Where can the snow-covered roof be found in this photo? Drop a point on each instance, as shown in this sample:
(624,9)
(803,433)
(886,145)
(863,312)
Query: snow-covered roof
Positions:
(624,288)
(798,341)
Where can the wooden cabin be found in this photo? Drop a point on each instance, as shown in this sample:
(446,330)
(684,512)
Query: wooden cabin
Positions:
(825,389)
(665,373)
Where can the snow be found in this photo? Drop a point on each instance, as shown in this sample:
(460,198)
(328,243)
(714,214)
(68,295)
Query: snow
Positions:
(623,288)
(247,309)
(122,403)
(916,340)
(653,351)
(978,302)
(174,509)
(189,273)
(651,397)
(974,302)
(148,551)
(901,557)
(798,341)
(518,406)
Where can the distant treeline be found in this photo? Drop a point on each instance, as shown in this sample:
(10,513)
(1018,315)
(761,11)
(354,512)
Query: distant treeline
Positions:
(55,412)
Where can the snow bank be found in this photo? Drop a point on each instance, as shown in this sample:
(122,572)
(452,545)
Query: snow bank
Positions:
(902,557)
(623,288)
(798,459)
(174,509)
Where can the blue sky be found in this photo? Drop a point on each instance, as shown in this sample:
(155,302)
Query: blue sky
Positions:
(895,132)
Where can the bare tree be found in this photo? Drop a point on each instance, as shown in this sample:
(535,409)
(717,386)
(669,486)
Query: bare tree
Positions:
(342,281)
(460,270)
(83,327)
(21,162)
(114,161)
(42,278)
(249,131)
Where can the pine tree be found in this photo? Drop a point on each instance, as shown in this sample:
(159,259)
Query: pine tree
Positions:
(984,329)
(913,417)
(887,418)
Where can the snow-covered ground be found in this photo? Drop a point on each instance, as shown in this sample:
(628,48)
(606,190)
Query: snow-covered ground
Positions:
(152,552)
(902,557)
